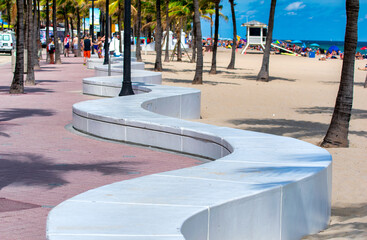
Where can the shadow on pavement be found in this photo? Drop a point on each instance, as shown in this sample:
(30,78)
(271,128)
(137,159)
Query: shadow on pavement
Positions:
(28,169)
(14,113)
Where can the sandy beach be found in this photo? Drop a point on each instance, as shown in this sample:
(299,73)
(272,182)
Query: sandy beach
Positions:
(297,102)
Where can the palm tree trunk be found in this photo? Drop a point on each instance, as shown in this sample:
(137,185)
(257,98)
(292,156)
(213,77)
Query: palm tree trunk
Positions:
(198,79)
(166,55)
(119,20)
(17,85)
(213,69)
(193,42)
(233,56)
(138,48)
(8,11)
(78,53)
(337,134)
(57,47)
(66,19)
(365,82)
(30,45)
(72,29)
(158,39)
(264,71)
(47,28)
(179,52)
(36,35)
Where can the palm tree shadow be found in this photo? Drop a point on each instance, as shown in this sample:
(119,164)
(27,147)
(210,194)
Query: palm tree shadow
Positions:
(176,80)
(254,78)
(27,89)
(28,169)
(14,113)
(356,113)
(349,225)
(291,128)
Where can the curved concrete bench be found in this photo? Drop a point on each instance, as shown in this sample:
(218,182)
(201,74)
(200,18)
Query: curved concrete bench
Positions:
(260,187)
(93,62)
(117,68)
(111,86)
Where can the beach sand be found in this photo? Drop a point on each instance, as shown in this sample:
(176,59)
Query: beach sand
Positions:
(298,102)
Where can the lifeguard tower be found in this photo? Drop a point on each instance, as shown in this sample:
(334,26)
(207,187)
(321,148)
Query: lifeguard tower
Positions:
(256,34)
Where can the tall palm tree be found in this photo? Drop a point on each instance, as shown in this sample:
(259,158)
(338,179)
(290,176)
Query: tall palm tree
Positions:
(213,69)
(54,22)
(166,56)
(17,85)
(198,78)
(264,71)
(337,134)
(138,48)
(158,38)
(365,82)
(30,46)
(233,55)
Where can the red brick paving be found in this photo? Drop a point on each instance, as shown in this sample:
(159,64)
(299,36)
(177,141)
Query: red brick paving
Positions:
(43,164)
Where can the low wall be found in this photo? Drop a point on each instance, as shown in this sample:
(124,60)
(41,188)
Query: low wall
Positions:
(116,69)
(261,186)
(93,62)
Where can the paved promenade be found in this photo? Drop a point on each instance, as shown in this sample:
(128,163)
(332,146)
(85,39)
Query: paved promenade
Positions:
(43,164)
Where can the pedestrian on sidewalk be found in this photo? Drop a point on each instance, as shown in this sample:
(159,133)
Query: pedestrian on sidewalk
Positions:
(66,45)
(87,45)
(51,50)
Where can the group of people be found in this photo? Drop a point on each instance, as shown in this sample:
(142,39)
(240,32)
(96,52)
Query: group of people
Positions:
(87,45)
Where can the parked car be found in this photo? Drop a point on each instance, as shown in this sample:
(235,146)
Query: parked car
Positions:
(7,42)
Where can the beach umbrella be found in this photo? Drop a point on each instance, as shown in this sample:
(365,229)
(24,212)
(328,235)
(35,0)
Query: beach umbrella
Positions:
(364,48)
(277,42)
(296,42)
(333,48)
(314,45)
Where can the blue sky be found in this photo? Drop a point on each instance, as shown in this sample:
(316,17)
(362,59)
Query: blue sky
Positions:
(294,19)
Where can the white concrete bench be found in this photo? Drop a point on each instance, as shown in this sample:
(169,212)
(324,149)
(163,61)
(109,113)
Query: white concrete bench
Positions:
(261,186)
(93,62)
(111,86)
(116,69)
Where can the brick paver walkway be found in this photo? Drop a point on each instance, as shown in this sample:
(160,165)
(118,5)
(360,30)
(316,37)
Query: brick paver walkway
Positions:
(43,164)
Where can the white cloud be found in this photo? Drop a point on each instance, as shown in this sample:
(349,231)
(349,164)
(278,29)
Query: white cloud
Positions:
(310,17)
(365,17)
(291,13)
(262,2)
(295,6)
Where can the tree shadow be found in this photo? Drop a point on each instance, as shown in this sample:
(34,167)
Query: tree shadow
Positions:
(254,78)
(14,113)
(292,128)
(356,113)
(175,80)
(355,228)
(27,89)
(358,84)
(28,169)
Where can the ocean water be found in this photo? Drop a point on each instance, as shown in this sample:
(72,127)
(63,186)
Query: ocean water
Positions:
(340,44)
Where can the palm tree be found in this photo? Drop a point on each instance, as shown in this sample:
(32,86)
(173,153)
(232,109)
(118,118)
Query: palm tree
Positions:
(158,38)
(17,85)
(30,46)
(337,134)
(365,82)
(166,56)
(213,69)
(54,22)
(138,48)
(233,56)
(264,71)
(198,79)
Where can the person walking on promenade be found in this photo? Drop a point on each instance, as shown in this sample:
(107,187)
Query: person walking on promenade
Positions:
(87,45)
(66,45)
(75,46)
(51,50)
